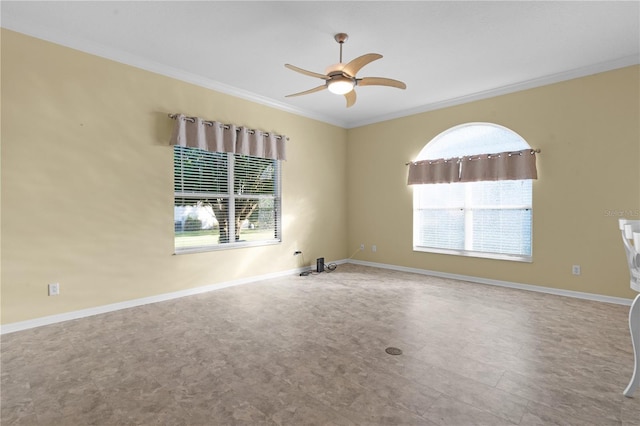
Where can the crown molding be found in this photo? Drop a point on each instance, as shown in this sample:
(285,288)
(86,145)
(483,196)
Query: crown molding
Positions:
(117,55)
(120,56)
(504,90)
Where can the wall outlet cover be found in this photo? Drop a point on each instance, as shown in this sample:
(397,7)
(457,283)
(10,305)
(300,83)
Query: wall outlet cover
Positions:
(54,289)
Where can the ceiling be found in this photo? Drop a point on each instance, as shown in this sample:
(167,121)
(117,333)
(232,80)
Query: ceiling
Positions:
(447,52)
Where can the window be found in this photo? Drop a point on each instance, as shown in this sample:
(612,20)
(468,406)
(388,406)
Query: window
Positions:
(484,219)
(224,200)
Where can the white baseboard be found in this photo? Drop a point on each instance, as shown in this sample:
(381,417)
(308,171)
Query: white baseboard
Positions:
(519,286)
(83,313)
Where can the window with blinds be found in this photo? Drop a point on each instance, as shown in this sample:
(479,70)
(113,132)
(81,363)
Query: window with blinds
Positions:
(484,219)
(224,200)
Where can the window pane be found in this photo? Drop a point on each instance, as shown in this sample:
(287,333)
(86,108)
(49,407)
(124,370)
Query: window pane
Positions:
(440,229)
(440,195)
(253,175)
(260,223)
(200,171)
(502,231)
(197,222)
(501,193)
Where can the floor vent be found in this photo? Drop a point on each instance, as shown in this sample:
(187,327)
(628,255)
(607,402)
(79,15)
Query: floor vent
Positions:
(393,351)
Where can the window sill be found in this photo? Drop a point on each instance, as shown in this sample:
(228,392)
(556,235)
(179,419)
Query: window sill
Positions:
(228,246)
(484,255)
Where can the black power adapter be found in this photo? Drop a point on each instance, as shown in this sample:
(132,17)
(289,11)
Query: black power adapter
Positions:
(320,264)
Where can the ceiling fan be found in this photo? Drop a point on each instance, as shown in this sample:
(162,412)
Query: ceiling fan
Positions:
(341,78)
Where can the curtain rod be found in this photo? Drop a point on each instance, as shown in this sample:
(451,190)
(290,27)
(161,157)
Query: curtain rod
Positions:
(533,151)
(225,126)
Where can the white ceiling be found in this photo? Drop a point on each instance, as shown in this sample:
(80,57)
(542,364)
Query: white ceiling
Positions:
(447,52)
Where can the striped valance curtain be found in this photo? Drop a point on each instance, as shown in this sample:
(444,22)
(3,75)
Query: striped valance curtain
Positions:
(484,167)
(195,132)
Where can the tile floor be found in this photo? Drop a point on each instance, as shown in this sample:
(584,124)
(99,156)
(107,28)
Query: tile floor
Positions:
(311,350)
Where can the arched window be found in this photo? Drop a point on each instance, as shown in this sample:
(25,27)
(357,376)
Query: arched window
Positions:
(483,218)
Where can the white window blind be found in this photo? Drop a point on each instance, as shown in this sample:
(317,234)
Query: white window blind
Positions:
(484,219)
(224,200)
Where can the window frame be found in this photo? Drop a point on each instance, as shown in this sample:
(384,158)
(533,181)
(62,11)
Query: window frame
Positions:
(468,210)
(231,197)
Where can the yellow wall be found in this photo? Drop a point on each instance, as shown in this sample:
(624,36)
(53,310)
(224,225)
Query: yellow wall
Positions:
(87,184)
(589,132)
(87,179)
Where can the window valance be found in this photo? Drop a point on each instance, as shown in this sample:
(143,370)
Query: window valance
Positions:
(195,132)
(434,171)
(484,167)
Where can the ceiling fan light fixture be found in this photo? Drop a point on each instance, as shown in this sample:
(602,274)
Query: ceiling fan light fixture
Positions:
(341,78)
(340,85)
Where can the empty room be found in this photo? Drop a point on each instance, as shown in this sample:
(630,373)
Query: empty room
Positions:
(320,213)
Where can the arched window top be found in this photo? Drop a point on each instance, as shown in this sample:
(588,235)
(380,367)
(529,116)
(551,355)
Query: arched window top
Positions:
(472,139)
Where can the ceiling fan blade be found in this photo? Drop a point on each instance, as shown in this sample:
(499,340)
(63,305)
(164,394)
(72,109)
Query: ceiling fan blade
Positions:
(355,65)
(380,81)
(305,72)
(306,92)
(351,98)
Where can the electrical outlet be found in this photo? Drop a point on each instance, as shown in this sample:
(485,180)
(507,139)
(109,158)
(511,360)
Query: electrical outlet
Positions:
(361,247)
(575,269)
(54,289)
(374,248)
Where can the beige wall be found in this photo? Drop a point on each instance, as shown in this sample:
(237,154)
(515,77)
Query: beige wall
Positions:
(87,184)
(589,132)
